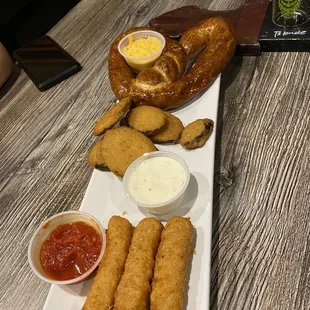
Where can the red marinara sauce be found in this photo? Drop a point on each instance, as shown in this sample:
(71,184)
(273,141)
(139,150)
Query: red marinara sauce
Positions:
(70,250)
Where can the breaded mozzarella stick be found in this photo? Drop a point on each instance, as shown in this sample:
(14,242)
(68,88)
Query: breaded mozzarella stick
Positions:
(101,295)
(133,292)
(171,266)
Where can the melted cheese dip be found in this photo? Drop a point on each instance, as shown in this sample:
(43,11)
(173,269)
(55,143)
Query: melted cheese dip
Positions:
(142,47)
(156,180)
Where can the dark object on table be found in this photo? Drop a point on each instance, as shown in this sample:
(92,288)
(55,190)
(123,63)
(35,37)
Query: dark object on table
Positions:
(22,21)
(46,63)
(247,20)
(273,38)
(6,65)
(253,22)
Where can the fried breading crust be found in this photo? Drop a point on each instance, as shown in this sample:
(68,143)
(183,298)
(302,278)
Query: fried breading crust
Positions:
(101,294)
(112,116)
(171,265)
(170,132)
(197,133)
(134,289)
(146,119)
(95,157)
(120,147)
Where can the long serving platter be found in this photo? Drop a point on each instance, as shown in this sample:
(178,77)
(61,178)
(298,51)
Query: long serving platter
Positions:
(104,198)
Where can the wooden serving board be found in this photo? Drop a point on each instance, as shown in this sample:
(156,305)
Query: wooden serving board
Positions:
(255,31)
(247,19)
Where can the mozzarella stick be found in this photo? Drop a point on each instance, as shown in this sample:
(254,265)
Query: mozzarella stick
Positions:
(171,265)
(134,288)
(111,267)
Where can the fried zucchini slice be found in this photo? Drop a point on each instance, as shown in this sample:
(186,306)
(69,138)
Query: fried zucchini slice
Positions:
(197,133)
(170,132)
(146,119)
(95,157)
(112,116)
(119,148)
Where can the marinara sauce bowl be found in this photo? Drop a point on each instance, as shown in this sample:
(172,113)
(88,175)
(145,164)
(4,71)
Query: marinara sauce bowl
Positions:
(44,231)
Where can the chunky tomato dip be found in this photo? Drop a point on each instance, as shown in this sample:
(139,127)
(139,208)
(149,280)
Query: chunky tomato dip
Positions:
(70,250)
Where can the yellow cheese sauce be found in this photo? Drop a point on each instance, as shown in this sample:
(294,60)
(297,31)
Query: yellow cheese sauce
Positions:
(156,180)
(142,47)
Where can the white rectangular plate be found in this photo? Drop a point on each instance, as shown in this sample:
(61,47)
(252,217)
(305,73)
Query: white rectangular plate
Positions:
(105,197)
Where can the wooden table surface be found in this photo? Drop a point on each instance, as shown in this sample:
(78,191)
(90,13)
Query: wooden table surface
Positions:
(260,255)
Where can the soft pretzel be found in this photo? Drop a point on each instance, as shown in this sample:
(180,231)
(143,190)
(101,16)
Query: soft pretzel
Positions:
(169,67)
(164,85)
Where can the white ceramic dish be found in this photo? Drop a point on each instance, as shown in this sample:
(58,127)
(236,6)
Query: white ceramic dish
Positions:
(165,207)
(105,197)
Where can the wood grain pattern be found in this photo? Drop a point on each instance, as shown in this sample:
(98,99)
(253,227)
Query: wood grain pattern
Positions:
(260,257)
(262,233)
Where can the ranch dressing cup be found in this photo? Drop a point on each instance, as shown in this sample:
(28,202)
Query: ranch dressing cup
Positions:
(157,182)
(140,63)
